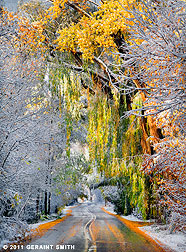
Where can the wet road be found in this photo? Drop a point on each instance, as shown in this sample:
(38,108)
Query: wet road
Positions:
(91,229)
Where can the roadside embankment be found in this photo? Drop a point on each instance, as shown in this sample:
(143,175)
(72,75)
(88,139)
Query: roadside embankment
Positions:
(155,233)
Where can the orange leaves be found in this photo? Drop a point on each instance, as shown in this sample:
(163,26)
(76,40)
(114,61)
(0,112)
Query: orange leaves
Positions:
(168,168)
(30,34)
(56,8)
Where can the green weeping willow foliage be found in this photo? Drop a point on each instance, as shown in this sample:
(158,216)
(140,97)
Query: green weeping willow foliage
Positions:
(115,149)
(102,133)
(132,182)
(67,86)
(114,144)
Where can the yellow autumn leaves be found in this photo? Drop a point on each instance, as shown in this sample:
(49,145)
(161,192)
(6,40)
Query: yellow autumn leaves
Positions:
(89,34)
(95,32)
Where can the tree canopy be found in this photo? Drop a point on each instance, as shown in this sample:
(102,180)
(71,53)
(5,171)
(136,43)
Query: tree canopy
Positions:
(109,75)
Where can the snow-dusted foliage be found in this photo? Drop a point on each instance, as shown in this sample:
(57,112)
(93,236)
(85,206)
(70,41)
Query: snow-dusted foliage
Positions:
(32,140)
(16,126)
(155,58)
(12,229)
(110,193)
(155,55)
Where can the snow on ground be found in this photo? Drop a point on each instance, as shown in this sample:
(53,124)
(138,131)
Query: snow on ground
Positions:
(134,218)
(175,241)
(131,217)
(36,225)
(65,210)
(110,208)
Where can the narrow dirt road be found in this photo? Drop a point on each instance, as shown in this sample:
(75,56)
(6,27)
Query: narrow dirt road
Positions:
(91,229)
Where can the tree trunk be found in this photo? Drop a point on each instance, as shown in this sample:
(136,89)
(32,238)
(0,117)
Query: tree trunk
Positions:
(37,203)
(46,203)
(145,143)
(49,200)
(154,131)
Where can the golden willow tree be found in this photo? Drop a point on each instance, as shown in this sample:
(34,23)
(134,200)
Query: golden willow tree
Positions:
(91,39)
(118,45)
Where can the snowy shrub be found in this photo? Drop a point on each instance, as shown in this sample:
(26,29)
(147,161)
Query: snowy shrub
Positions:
(12,229)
